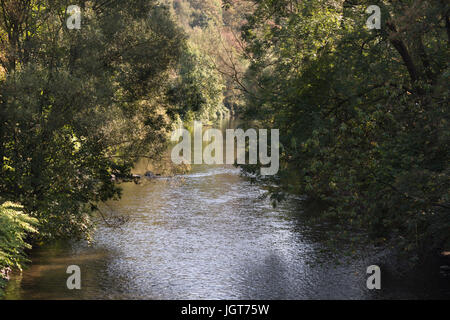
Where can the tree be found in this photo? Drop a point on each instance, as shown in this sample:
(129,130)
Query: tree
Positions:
(79,105)
(364,112)
(198,90)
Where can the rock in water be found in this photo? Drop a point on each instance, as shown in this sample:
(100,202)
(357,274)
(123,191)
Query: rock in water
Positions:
(150,175)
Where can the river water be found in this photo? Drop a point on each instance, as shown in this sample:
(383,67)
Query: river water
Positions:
(208,235)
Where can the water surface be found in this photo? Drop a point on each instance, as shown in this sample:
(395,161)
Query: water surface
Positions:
(207,235)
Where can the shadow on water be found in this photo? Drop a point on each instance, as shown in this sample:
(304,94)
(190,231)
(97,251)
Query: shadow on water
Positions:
(205,235)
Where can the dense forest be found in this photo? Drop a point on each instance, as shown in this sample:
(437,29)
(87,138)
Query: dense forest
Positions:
(363,113)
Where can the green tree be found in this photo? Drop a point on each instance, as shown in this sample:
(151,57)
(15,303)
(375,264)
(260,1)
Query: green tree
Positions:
(198,91)
(363,114)
(79,105)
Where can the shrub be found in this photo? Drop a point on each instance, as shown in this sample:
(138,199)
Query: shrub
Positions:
(14,228)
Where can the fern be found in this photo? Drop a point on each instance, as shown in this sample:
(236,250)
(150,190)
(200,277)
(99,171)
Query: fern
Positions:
(14,227)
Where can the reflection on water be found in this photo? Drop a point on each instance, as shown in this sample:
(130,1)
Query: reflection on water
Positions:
(205,235)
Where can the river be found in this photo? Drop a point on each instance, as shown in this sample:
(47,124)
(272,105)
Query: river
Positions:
(208,235)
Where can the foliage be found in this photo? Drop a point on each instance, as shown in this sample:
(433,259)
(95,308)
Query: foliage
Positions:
(79,105)
(198,92)
(363,114)
(15,226)
(206,71)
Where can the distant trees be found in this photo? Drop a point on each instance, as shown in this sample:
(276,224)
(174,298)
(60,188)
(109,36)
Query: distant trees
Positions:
(198,91)
(211,46)
(363,114)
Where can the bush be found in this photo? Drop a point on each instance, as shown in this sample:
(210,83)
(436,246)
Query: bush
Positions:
(14,228)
